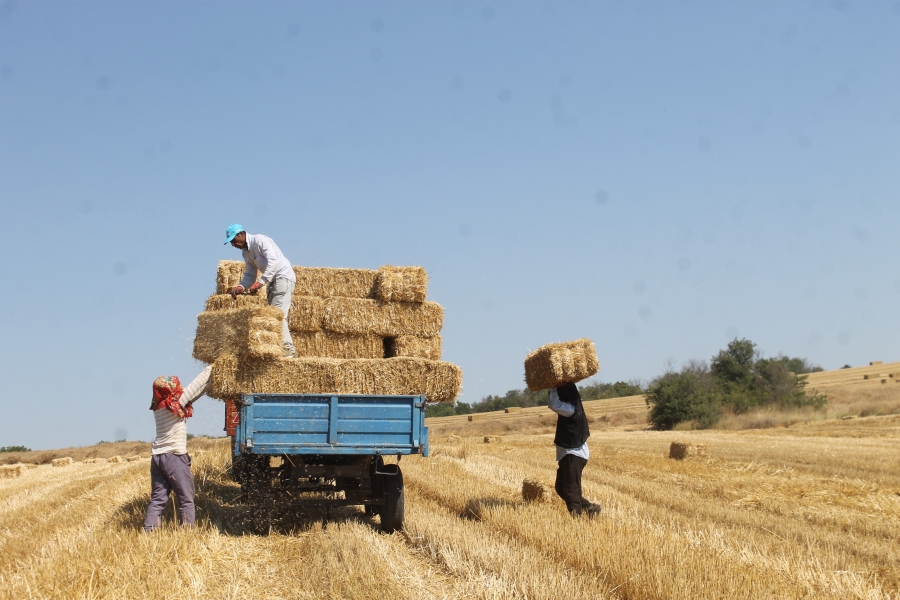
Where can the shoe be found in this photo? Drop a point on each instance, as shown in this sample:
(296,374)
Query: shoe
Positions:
(592,509)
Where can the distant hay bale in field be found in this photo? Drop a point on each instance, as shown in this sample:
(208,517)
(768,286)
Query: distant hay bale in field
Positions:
(513,409)
(415,346)
(253,332)
(492,439)
(439,381)
(328,344)
(681,451)
(535,491)
(65,461)
(875,362)
(115,459)
(11,471)
(401,284)
(328,282)
(388,319)
(476,417)
(91,461)
(133,458)
(453,439)
(555,364)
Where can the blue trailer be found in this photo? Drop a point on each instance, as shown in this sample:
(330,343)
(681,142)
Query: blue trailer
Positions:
(326,450)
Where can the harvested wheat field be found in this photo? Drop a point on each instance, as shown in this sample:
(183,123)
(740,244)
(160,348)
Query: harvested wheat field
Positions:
(806,511)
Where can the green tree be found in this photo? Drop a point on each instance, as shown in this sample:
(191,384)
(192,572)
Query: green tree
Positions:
(14,449)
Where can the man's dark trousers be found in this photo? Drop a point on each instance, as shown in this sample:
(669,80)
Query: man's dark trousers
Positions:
(170,472)
(568,482)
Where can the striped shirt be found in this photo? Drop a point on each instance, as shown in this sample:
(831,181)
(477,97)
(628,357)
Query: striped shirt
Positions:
(171,430)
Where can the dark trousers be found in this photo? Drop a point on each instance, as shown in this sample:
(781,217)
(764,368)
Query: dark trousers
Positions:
(568,482)
(168,473)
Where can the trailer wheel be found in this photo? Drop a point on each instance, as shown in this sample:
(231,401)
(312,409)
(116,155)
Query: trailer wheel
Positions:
(393,508)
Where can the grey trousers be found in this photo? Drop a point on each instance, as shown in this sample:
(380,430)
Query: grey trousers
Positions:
(279,294)
(170,472)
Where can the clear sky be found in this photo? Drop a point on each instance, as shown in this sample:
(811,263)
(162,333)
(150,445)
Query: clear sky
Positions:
(658,177)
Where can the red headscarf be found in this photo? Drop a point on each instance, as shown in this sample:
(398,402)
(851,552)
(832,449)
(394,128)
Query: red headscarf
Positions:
(167,392)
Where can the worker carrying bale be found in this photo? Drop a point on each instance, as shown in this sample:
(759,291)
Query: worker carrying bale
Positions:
(558,366)
(170,465)
(262,255)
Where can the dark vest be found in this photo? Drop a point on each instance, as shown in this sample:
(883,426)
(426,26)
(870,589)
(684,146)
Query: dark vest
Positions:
(571,432)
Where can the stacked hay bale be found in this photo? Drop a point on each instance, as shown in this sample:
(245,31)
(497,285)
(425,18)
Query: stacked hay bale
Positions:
(355,331)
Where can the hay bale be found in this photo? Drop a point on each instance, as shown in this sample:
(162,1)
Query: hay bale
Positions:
(65,461)
(11,471)
(555,364)
(133,458)
(91,461)
(250,332)
(328,282)
(476,417)
(681,451)
(439,381)
(115,459)
(411,345)
(305,315)
(492,439)
(513,409)
(875,362)
(388,319)
(328,344)
(453,439)
(535,491)
(229,274)
(401,284)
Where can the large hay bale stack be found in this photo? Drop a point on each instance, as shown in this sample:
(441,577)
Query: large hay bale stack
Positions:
(555,364)
(355,331)
(254,332)
(401,284)
(11,471)
(65,461)
(439,381)
(535,491)
(681,450)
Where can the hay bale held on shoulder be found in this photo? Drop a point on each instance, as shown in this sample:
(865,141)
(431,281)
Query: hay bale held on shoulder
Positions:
(555,364)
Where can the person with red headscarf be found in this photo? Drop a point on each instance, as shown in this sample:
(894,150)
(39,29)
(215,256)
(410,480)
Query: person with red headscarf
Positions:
(170,465)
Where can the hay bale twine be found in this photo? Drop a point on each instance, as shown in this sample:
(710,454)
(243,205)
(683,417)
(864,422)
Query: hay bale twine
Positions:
(681,451)
(11,471)
(535,491)
(65,461)
(492,439)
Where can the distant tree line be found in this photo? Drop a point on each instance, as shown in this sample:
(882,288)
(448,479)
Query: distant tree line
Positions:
(526,398)
(14,449)
(737,379)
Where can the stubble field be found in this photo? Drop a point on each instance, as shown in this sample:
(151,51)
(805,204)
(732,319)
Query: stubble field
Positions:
(807,511)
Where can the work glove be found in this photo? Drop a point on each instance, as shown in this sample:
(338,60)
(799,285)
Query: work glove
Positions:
(238,289)
(254,288)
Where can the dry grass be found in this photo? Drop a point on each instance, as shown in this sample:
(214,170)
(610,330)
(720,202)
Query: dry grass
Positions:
(389,319)
(554,364)
(439,381)
(419,347)
(252,332)
(328,344)
(401,284)
(812,511)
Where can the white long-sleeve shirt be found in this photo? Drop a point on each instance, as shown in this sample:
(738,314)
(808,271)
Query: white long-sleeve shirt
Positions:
(564,409)
(262,254)
(171,430)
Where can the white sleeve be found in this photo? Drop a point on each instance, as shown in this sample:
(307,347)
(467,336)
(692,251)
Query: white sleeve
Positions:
(563,409)
(197,387)
(271,258)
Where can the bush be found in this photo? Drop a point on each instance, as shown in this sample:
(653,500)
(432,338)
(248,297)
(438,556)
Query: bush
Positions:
(14,449)
(738,380)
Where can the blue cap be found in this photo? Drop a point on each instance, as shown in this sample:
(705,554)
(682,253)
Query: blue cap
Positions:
(232,231)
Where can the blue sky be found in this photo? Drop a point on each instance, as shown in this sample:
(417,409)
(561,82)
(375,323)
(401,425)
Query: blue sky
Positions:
(659,177)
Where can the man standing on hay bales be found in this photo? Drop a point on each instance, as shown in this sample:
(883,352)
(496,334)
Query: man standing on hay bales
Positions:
(170,465)
(571,448)
(262,255)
